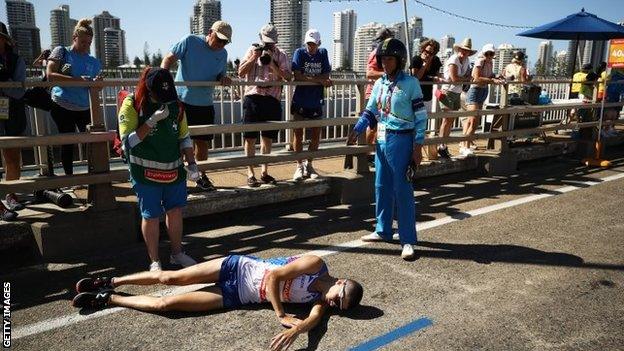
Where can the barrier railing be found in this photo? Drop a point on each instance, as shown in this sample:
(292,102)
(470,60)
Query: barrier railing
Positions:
(100,176)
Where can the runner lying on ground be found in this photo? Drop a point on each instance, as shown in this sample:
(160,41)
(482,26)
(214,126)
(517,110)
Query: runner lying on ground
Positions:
(239,280)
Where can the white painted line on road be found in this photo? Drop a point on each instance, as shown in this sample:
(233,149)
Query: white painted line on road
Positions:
(54,323)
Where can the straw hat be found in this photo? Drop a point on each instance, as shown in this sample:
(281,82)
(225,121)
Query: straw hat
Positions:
(466,44)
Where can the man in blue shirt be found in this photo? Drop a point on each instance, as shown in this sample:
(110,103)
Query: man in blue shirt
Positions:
(201,59)
(310,64)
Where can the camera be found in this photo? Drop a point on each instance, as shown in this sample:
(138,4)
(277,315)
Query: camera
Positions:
(265,56)
(55,196)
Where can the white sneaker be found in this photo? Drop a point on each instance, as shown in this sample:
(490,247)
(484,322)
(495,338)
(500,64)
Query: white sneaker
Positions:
(465,151)
(298,176)
(155,267)
(396,237)
(182,259)
(309,171)
(408,252)
(371,237)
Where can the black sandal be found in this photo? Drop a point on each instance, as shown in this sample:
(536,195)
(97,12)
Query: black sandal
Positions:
(267,179)
(252,182)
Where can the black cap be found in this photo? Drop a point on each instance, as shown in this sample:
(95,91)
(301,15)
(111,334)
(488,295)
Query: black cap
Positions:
(587,67)
(160,82)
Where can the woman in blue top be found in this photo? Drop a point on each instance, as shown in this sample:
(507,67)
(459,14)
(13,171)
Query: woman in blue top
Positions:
(398,101)
(71,104)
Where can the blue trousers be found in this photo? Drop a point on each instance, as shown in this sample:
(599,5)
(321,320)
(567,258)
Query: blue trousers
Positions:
(392,158)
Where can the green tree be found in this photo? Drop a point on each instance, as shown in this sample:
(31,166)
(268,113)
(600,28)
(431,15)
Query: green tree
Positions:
(540,68)
(157,58)
(137,61)
(146,54)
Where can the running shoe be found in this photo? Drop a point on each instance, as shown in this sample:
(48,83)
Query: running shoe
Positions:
(12,203)
(267,179)
(252,182)
(91,299)
(155,267)
(298,176)
(309,171)
(205,184)
(6,214)
(94,284)
(443,152)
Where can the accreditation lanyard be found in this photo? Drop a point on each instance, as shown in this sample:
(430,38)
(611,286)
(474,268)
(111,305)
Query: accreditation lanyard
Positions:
(385,108)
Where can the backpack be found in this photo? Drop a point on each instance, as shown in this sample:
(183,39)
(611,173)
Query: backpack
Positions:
(121,96)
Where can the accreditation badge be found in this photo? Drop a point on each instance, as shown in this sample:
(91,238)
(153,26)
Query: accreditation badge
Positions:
(4,108)
(381,132)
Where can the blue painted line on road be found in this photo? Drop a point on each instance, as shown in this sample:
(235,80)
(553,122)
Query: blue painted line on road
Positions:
(396,334)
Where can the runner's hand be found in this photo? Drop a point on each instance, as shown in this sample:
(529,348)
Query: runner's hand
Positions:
(160,114)
(290,321)
(284,340)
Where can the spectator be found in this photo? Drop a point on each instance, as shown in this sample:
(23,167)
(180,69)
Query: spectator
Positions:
(309,64)
(601,71)
(374,72)
(154,134)
(12,117)
(482,75)
(398,101)
(613,93)
(238,281)
(71,104)
(426,67)
(264,62)
(516,72)
(201,59)
(456,69)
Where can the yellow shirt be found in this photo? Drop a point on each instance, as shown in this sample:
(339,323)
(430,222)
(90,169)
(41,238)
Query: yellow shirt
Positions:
(577,79)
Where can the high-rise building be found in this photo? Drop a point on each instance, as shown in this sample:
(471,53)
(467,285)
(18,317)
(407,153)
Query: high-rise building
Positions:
(415,27)
(363,44)
(291,19)
(545,56)
(446,42)
(575,52)
(114,47)
(398,29)
(23,29)
(114,56)
(61,26)
(594,52)
(504,55)
(344,35)
(205,13)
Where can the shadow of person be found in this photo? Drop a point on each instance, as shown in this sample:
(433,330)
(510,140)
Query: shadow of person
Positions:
(360,312)
(487,254)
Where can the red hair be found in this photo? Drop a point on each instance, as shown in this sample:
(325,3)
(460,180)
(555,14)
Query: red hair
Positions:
(141,94)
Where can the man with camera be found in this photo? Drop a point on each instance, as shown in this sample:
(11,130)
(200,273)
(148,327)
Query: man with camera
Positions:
(201,59)
(309,64)
(264,62)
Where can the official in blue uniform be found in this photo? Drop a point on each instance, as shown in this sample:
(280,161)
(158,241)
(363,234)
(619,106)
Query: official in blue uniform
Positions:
(398,101)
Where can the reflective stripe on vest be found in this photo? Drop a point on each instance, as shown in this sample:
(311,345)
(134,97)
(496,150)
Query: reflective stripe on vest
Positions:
(154,164)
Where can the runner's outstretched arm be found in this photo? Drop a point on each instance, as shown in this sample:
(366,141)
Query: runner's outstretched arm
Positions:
(284,339)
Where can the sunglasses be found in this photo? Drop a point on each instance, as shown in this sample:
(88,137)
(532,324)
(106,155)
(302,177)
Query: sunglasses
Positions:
(222,41)
(430,53)
(341,294)
(489,53)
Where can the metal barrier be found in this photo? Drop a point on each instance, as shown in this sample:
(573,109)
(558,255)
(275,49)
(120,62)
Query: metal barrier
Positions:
(100,176)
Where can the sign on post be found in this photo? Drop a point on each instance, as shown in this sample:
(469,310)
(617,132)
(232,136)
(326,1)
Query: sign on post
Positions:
(616,53)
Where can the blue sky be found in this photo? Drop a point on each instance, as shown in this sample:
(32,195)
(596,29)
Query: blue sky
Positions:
(161,23)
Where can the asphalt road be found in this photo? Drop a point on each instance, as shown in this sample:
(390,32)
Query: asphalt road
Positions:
(533,261)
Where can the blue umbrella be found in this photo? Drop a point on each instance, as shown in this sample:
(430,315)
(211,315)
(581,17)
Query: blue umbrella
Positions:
(579,26)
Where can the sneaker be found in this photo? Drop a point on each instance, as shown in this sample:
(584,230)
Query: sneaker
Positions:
(6,214)
(465,151)
(252,182)
(205,184)
(309,171)
(443,152)
(395,237)
(182,259)
(94,285)
(155,267)
(12,203)
(374,236)
(407,252)
(298,176)
(91,299)
(267,179)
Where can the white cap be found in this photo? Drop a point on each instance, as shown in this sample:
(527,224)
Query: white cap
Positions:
(488,48)
(313,36)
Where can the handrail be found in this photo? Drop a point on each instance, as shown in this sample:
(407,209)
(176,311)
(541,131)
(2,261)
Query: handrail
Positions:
(58,139)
